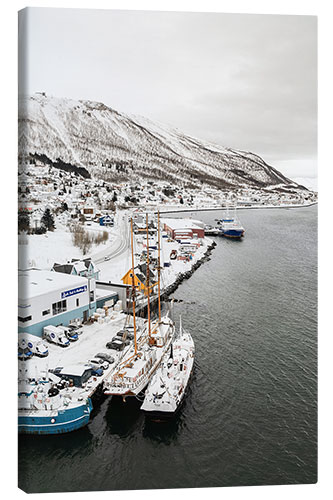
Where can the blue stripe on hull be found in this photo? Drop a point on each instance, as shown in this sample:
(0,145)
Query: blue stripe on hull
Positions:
(67,420)
(232,233)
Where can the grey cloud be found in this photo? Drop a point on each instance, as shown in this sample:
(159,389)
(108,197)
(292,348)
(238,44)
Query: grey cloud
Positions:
(244,81)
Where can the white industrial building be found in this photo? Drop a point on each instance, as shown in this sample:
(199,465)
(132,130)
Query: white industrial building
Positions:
(50,298)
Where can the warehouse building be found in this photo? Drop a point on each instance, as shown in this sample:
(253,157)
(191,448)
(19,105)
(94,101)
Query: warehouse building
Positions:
(179,229)
(53,298)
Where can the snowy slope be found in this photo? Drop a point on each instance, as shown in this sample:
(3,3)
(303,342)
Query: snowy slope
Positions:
(115,146)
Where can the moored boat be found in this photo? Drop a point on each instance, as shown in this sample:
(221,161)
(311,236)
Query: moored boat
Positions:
(46,408)
(140,361)
(211,230)
(230,227)
(139,364)
(167,388)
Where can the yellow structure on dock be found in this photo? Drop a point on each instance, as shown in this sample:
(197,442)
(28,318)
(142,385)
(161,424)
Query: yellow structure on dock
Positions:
(139,281)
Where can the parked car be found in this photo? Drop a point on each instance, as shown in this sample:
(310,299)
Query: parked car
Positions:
(98,363)
(125,334)
(173,254)
(69,333)
(116,344)
(24,353)
(106,357)
(76,328)
(97,372)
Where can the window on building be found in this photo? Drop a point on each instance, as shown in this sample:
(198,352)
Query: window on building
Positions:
(23,320)
(77,302)
(59,307)
(46,312)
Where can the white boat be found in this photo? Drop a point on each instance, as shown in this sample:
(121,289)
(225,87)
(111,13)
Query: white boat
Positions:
(166,390)
(140,361)
(211,230)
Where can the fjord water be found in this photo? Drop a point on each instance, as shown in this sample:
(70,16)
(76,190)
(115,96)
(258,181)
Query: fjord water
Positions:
(250,416)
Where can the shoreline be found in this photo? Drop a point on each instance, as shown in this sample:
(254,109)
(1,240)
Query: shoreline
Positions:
(179,278)
(211,209)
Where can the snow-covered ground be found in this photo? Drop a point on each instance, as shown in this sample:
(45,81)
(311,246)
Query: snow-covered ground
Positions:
(114,269)
(43,250)
(90,342)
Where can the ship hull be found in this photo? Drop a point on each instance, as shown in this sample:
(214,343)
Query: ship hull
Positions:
(232,233)
(165,416)
(57,422)
(139,386)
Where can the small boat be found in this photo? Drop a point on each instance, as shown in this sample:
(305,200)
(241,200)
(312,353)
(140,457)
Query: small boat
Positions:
(166,390)
(211,231)
(173,254)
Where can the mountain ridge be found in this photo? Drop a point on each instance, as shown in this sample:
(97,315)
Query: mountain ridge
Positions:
(117,146)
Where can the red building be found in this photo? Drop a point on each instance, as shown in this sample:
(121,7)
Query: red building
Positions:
(184,228)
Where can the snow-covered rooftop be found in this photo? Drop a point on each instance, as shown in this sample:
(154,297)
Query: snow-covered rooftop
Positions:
(182,223)
(34,282)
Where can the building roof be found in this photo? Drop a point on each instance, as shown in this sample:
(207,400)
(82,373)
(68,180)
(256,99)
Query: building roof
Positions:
(75,370)
(101,293)
(34,282)
(80,266)
(77,264)
(183,223)
(63,268)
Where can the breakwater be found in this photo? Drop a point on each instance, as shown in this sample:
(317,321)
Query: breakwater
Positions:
(141,307)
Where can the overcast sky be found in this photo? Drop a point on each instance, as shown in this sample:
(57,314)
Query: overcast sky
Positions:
(243,81)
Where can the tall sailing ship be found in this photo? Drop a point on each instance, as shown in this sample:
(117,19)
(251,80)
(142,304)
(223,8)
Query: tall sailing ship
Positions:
(140,362)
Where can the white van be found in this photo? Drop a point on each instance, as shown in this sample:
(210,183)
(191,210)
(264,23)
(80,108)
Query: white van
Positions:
(71,334)
(36,345)
(55,335)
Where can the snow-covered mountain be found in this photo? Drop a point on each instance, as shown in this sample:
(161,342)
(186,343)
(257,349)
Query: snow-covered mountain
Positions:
(115,147)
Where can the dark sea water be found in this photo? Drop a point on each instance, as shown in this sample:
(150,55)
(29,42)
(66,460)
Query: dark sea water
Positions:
(250,416)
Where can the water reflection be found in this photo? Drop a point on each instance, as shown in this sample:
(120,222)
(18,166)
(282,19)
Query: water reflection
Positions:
(165,432)
(123,418)
(55,442)
(58,448)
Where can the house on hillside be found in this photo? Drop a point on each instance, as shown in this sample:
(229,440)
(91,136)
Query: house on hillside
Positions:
(89,212)
(106,220)
(86,268)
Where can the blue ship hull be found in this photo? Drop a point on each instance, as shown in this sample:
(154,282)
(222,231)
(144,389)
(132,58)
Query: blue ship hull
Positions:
(232,233)
(66,420)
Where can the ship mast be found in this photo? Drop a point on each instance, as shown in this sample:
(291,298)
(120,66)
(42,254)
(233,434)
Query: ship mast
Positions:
(147,282)
(159,267)
(133,291)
